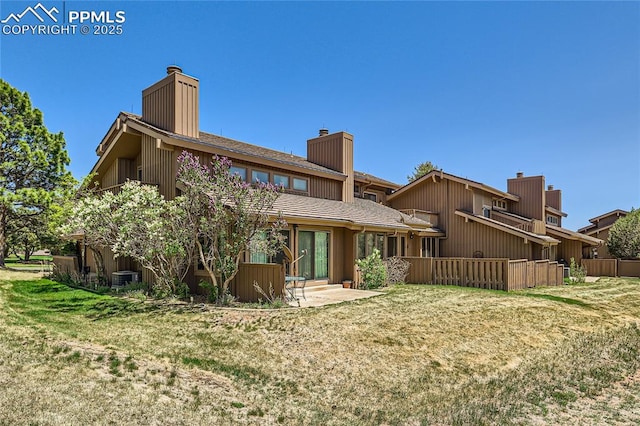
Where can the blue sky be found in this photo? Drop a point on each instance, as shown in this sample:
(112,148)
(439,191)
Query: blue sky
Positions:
(482,89)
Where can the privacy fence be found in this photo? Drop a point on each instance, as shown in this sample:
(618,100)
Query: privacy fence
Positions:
(268,276)
(612,267)
(494,274)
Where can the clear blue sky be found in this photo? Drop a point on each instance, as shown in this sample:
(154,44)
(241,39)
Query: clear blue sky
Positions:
(482,89)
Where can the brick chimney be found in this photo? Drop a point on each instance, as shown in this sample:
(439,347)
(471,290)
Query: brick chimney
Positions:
(334,151)
(172,103)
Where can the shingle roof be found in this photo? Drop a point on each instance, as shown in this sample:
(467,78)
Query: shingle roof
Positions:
(360,213)
(572,235)
(259,152)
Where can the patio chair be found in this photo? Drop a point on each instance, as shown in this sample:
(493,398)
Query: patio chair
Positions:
(292,283)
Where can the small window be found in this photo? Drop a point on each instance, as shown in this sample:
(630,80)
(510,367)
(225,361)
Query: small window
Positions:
(280,180)
(139,174)
(258,176)
(552,220)
(356,189)
(370,196)
(240,171)
(300,184)
(486,211)
(500,204)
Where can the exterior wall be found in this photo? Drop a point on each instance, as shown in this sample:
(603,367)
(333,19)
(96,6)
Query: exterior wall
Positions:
(335,151)
(531,191)
(172,104)
(608,220)
(554,198)
(463,239)
(325,188)
(568,249)
(159,167)
(603,251)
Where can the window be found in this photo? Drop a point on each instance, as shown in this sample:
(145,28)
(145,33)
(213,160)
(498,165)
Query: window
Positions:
(552,220)
(300,184)
(240,171)
(139,173)
(392,246)
(370,196)
(486,211)
(280,180)
(257,256)
(258,176)
(500,204)
(429,247)
(315,264)
(367,241)
(356,189)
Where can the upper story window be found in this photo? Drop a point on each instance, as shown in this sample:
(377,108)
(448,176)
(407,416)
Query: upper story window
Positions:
(486,211)
(280,180)
(371,196)
(300,184)
(552,220)
(258,176)
(500,204)
(240,171)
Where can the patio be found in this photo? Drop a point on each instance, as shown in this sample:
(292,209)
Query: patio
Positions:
(329,294)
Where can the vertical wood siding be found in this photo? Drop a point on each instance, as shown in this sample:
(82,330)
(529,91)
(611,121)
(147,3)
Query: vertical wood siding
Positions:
(265,275)
(158,167)
(325,188)
(531,191)
(335,152)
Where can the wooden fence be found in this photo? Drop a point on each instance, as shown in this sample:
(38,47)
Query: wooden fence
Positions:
(494,274)
(66,264)
(268,276)
(611,267)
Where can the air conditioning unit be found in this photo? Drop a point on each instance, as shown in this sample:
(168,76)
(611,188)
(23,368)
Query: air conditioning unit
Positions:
(122,278)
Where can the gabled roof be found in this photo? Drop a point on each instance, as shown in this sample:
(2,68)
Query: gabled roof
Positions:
(231,147)
(529,236)
(618,212)
(439,174)
(555,211)
(361,176)
(572,235)
(358,215)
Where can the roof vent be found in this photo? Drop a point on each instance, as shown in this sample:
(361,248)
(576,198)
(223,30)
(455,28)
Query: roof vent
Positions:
(173,68)
(519,175)
(323,132)
(550,188)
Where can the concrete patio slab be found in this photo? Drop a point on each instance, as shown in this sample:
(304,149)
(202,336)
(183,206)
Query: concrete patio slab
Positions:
(328,295)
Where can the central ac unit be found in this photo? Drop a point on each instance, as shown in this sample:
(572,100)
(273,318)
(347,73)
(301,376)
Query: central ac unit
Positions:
(122,278)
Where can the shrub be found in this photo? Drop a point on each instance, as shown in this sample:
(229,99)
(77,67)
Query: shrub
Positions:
(577,272)
(374,273)
(397,270)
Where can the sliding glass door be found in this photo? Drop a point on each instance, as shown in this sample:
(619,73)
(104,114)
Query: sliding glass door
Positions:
(315,265)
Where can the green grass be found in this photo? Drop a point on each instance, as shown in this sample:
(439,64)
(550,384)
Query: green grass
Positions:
(414,355)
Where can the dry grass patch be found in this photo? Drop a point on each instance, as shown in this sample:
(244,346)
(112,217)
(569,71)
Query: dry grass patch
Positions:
(416,355)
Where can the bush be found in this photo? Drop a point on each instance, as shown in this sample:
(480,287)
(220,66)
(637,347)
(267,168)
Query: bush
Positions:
(577,272)
(397,270)
(374,273)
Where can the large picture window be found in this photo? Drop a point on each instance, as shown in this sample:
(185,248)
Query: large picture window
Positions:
(367,241)
(315,265)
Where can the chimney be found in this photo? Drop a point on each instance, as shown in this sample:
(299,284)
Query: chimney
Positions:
(172,103)
(531,191)
(173,68)
(334,151)
(549,187)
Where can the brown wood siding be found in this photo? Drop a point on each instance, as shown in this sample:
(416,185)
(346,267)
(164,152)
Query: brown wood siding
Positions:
(603,250)
(325,188)
(110,177)
(554,199)
(158,167)
(337,255)
(463,239)
(268,276)
(335,152)
(172,104)
(568,249)
(531,191)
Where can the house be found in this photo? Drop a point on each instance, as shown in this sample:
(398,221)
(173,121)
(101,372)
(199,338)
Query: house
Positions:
(476,220)
(334,213)
(599,228)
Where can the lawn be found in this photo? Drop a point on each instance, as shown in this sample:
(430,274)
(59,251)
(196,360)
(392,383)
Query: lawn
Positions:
(414,355)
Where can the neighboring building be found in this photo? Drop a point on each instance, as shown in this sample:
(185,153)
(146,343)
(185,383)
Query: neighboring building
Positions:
(480,221)
(333,212)
(599,228)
